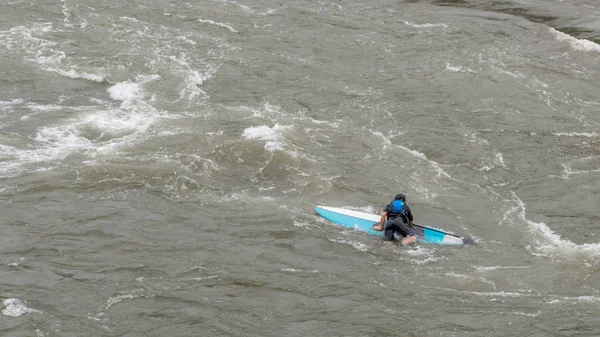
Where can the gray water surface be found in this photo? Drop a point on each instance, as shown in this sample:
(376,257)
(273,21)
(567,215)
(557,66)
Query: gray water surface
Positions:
(160,161)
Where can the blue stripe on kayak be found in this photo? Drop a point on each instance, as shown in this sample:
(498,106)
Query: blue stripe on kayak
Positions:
(433,236)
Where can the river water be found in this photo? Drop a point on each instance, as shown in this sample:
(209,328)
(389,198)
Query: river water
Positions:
(160,161)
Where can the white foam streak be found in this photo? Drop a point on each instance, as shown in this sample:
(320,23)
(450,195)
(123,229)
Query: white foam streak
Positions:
(292,270)
(472,278)
(10,103)
(14,308)
(425,25)
(482,269)
(458,69)
(421,255)
(206,278)
(577,299)
(577,44)
(357,245)
(43,52)
(120,298)
(577,134)
(414,153)
(547,243)
(511,74)
(569,171)
(490,294)
(72,73)
(117,299)
(244,7)
(224,25)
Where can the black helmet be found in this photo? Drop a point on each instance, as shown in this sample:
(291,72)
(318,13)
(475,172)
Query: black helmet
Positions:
(400,196)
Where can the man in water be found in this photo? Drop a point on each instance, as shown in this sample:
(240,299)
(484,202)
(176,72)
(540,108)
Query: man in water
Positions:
(396,218)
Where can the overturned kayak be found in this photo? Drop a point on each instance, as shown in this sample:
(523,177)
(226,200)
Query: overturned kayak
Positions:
(364,222)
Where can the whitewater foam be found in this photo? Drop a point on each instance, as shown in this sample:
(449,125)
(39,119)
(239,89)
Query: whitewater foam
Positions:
(472,278)
(546,242)
(292,270)
(14,263)
(224,25)
(95,130)
(458,69)
(366,209)
(577,134)
(440,171)
(14,308)
(504,294)
(569,171)
(138,293)
(425,25)
(357,245)
(74,74)
(5,104)
(304,224)
(577,299)
(483,269)
(124,91)
(500,159)
(44,53)
(272,135)
(577,44)
(192,84)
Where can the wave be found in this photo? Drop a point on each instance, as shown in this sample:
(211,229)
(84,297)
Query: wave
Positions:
(546,242)
(95,131)
(577,44)
(272,135)
(45,53)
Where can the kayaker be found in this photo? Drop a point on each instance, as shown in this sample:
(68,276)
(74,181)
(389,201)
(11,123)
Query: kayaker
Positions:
(397,218)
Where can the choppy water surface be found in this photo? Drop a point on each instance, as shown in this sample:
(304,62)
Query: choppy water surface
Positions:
(160,161)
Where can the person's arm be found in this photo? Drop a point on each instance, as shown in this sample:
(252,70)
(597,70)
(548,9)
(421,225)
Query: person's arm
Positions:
(379,226)
(409,215)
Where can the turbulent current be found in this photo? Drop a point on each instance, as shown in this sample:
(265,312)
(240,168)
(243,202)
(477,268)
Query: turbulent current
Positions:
(160,162)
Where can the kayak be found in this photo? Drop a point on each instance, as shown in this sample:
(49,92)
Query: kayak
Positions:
(364,222)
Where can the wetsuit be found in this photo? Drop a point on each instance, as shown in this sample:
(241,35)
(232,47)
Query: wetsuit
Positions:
(397,221)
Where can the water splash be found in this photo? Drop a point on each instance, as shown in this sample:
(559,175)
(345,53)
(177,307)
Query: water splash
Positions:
(14,308)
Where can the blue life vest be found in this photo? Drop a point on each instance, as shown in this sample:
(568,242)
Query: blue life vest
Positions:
(397,207)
